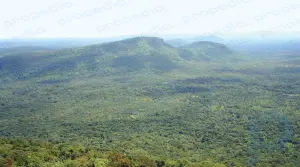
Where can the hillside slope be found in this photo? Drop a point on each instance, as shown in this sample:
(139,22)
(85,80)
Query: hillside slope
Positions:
(206,51)
(138,55)
(128,55)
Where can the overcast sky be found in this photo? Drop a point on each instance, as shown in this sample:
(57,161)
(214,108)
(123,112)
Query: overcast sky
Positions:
(106,18)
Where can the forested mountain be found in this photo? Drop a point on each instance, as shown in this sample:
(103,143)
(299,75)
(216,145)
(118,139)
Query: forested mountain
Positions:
(141,102)
(206,50)
(130,55)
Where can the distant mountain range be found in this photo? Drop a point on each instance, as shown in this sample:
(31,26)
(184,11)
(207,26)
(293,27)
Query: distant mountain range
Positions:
(172,39)
(129,55)
(68,57)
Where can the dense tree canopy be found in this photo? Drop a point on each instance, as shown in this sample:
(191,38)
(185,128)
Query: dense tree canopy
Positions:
(141,102)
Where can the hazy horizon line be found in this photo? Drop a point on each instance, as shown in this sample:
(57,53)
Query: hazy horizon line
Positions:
(162,35)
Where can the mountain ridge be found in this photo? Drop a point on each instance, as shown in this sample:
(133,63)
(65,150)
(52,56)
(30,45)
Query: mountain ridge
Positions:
(128,55)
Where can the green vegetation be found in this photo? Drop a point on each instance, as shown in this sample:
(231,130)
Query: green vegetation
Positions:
(20,152)
(141,102)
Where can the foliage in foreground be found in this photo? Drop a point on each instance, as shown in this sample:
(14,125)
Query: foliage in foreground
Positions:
(36,153)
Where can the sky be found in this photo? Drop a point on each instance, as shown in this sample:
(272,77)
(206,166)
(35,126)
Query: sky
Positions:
(110,18)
